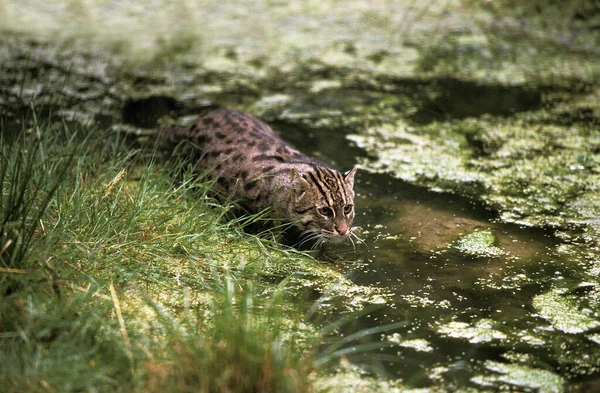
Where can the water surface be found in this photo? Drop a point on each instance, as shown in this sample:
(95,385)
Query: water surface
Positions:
(471,319)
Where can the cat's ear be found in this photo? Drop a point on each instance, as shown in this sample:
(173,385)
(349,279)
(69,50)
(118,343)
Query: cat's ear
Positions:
(299,183)
(349,176)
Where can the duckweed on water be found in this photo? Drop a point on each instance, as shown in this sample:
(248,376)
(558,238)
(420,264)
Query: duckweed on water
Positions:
(542,381)
(480,244)
(531,172)
(483,331)
(417,344)
(566,312)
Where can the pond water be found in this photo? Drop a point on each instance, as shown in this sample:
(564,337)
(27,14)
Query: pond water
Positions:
(489,306)
(475,315)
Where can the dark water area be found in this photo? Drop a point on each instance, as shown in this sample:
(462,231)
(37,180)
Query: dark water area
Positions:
(459,99)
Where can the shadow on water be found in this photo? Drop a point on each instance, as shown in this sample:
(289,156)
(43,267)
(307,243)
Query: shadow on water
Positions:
(146,112)
(458,99)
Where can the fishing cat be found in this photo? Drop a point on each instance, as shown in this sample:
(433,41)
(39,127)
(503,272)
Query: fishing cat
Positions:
(248,162)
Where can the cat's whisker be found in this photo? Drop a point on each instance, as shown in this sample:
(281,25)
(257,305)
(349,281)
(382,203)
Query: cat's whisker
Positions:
(308,241)
(319,243)
(352,241)
(358,239)
(312,231)
(309,235)
(307,232)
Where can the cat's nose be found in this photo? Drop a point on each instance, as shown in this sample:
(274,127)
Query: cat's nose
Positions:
(341,229)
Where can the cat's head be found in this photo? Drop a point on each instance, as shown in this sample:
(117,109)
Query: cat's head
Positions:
(323,203)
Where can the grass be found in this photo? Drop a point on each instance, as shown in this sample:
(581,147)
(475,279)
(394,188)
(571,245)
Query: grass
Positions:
(115,277)
(238,350)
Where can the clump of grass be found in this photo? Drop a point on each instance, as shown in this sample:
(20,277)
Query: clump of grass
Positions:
(245,346)
(51,337)
(68,344)
(28,183)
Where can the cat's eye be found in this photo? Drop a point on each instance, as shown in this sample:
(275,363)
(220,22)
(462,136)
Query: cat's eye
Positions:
(347,209)
(325,211)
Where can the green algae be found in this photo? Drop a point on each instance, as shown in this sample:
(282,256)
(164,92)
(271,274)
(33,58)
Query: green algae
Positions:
(522,377)
(531,172)
(480,244)
(462,38)
(566,312)
(481,332)
(414,157)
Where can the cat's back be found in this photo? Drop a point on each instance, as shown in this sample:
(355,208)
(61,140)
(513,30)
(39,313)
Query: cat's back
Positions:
(220,127)
(231,126)
(236,137)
